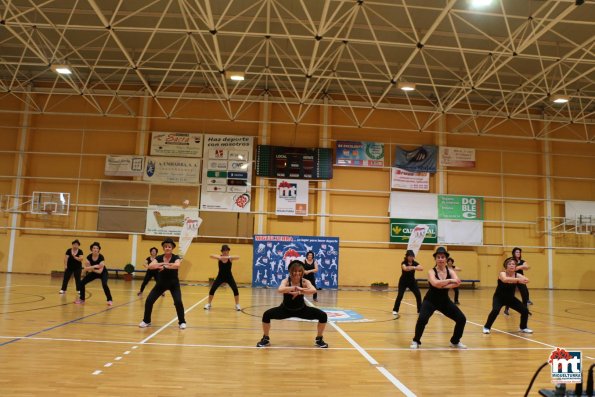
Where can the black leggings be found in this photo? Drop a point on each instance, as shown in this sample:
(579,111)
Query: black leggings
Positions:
(148,276)
(312,279)
(93,276)
(403,285)
(76,271)
(306,312)
(157,291)
(514,303)
(456,290)
(449,309)
(224,279)
(524,294)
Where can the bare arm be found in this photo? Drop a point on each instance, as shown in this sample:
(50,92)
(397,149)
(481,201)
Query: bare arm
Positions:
(175,265)
(524,266)
(99,267)
(155,265)
(448,283)
(519,279)
(307,289)
(285,289)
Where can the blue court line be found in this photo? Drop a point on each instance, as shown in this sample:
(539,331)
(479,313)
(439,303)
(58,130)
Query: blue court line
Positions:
(63,324)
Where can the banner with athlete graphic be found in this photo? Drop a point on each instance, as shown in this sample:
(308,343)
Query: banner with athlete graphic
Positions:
(272,254)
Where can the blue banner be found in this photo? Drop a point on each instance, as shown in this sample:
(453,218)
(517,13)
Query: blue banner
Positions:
(272,254)
(422,159)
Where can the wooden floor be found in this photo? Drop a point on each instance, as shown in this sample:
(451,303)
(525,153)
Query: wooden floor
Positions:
(49,346)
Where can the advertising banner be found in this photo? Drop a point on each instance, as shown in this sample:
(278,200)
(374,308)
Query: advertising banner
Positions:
(457,157)
(176,144)
(168,220)
(401,229)
(460,207)
(413,205)
(292,197)
(124,165)
(402,179)
(172,170)
(272,254)
(460,232)
(422,159)
(359,154)
(227,173)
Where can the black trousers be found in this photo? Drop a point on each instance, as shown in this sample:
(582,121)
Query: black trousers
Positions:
(148,276)
(312,279)
(524,291)
(306,312)
(403,285)
(456,290)
(224,278)
(176,293)
(72,271)
(94,276)
(449,309)
(499,301)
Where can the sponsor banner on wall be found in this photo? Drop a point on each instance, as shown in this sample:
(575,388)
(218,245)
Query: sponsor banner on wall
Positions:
(359,154)
(422,159)
(168,220)
(273,253)
(402,179)
(294,162)
(226,173)
(413,205)
(460,207)
(401,229)
(292,197)
(457,157)
(124,165)
(460,232)
(172,170)
(176,144)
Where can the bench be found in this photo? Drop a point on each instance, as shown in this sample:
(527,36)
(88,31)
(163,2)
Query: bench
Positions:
(472,282)
(122,270)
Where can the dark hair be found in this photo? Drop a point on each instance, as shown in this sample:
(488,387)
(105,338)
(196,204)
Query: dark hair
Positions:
(76,242)
(517,249)
(168,240)
(510,258)
(310,252)
(225,247)
(295,263)
(409,253)
(95,244)
(153,248)
(450,260)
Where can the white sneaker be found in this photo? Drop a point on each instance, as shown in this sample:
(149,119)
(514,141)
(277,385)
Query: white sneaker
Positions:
(414,345)
(143,324)
(238,308)
(208,306)
(526,330)
(396,314)
(183,326)
(62,292)
(110,303)
(458,345)
(486,330)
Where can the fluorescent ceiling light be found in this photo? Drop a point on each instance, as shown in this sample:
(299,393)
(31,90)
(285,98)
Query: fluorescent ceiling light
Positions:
(61,69)
(480,3)
(406,86)
(560,98)
(235,76)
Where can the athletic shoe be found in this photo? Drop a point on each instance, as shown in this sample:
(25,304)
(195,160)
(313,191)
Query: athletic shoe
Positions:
(62,292)
(139,293)
(458,345)
(320,342)
(457,303)
(208,306)
(143,324)
(79,302)
(182,325)
(529,302)
(486,330)
(315,300)
(109,303)
(414,345)
(238,308)
(396,314)
(263,342)
(506,313)
(526,330)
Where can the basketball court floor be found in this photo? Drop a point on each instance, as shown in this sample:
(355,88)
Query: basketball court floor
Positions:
(50,346)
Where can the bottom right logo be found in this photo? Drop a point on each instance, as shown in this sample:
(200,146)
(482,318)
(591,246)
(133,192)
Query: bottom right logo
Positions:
(567,366)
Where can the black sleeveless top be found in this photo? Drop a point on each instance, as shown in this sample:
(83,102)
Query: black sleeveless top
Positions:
(309,266)
(505,290)
(519,263)
(410,275)
(438,295)
(225,267)
(291,303)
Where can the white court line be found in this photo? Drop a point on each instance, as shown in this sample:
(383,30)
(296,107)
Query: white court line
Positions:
(97,372)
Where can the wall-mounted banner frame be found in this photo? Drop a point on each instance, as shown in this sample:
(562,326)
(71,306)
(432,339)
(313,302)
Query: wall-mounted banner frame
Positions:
(359,154)
(176,144)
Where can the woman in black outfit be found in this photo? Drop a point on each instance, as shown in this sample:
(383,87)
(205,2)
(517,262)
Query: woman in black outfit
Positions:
(310,268)
(72,266)
(508,280)
(151,273)
(521,266)
(95,268)
(224,276)
(451,265)
(167,265)
(293,288)
(407,280)
(440,281)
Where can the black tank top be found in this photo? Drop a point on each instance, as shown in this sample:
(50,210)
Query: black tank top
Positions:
(505,290)
(410,275)
(438,295)
(290,303)
(520,271)
(309,266)
(225,267)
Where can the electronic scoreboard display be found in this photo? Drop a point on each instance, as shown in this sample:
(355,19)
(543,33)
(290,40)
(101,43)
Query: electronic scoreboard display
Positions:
(295,163)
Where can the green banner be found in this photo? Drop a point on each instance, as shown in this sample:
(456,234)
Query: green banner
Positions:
(216,174)
(400,230)
(464,208)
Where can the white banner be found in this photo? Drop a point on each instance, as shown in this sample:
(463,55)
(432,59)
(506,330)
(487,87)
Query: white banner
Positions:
(189,231)
(292,197)
(124,165)
(460,232)
(172,170)
(457,157)
(167,220)
(176,144)
(402,179)
(417,237)
(227,173)
(413,205)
